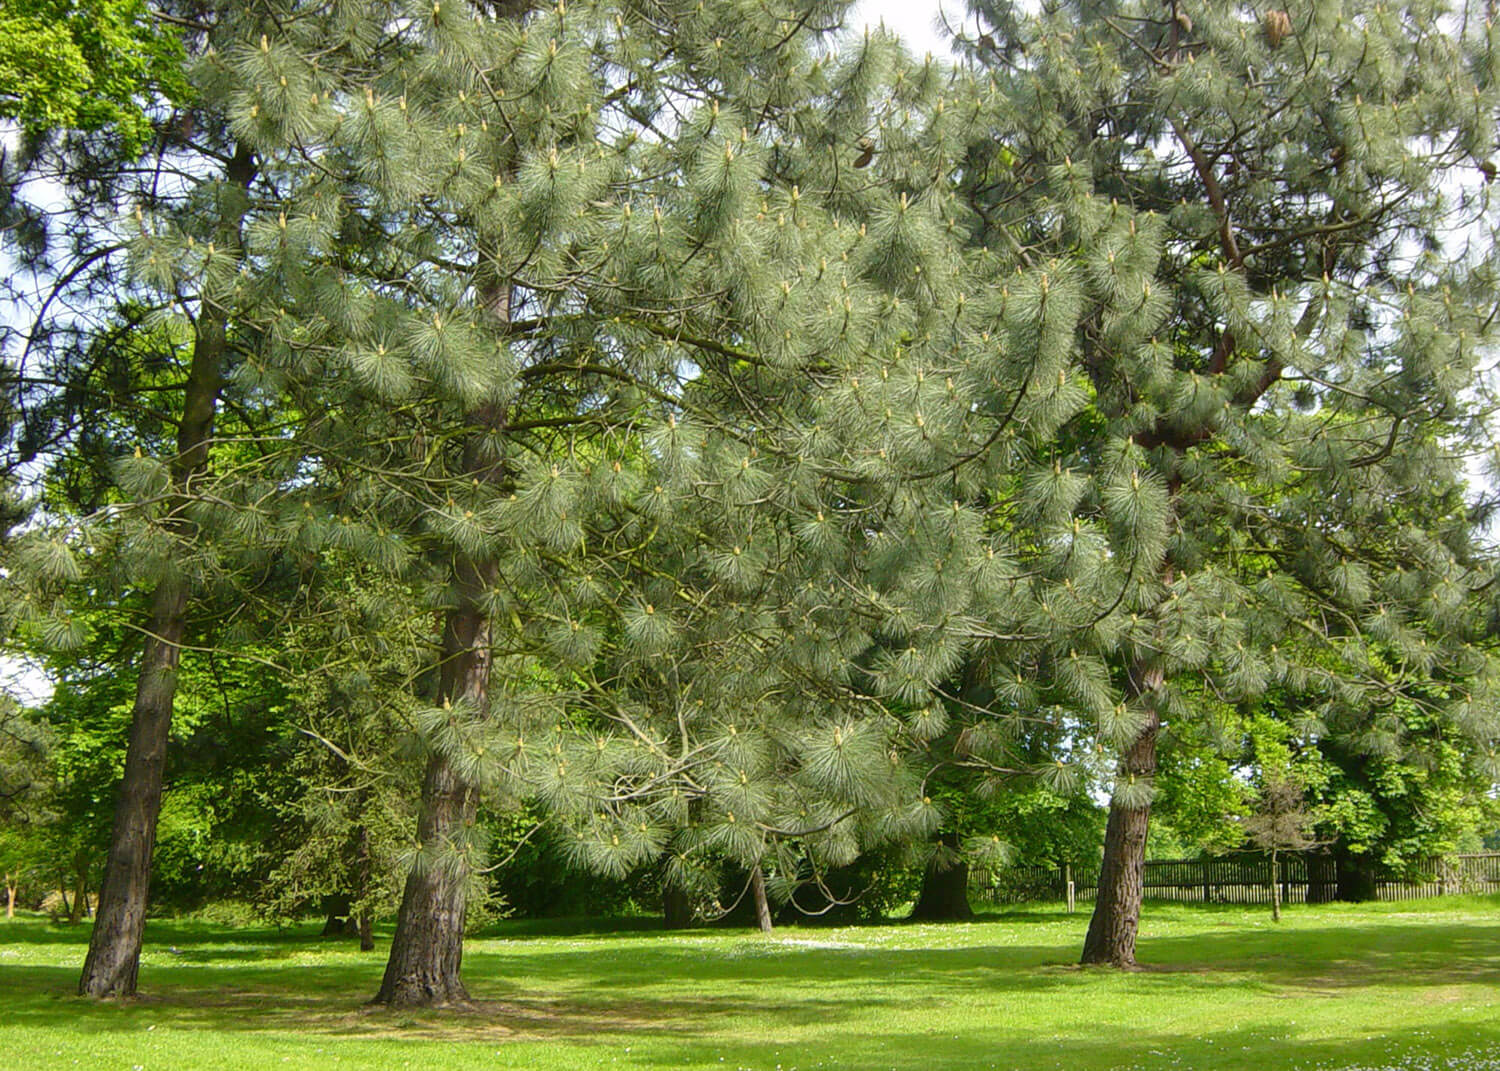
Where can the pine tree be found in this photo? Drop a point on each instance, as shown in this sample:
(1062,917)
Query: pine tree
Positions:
(555,332)
(144,328)
(1244,219)
(490,330)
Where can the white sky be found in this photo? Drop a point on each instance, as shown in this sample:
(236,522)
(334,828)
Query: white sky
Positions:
(913,20)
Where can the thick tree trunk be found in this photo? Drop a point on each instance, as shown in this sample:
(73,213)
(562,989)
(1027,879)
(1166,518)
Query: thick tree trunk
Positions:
(113,958)
(427,949)
(945,886)
(1117,902)
(115,945)
(762,905)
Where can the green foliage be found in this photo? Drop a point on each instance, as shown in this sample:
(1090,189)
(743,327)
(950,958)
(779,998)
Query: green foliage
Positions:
(1198,795)
(103,64)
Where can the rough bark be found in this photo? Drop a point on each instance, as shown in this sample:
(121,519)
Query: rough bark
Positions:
(427,949)
(115,946)
(945,886)
(758,894)
(113,959)
(1117,903)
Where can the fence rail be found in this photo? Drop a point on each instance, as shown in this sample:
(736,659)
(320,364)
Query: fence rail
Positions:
(1246,879)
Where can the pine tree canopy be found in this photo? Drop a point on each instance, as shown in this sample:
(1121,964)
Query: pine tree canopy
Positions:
(721,435)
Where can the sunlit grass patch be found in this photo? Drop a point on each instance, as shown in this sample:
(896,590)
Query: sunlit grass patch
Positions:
(1413,987)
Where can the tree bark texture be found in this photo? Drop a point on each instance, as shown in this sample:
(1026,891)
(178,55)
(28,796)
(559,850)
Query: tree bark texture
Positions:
(1117,903)
(762,905)
(114,954)
(427,949)
(113,959)
(945,887)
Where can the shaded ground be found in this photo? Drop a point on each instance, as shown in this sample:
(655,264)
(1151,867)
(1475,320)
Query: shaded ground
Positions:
(1374,986)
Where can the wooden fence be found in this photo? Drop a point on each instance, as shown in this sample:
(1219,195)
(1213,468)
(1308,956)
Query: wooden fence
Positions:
(1246,879)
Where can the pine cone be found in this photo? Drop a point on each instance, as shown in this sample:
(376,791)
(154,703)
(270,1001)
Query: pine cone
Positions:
(866,152)
(1278,26)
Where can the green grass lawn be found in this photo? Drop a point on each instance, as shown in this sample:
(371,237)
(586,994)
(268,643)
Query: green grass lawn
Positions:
(1371,986)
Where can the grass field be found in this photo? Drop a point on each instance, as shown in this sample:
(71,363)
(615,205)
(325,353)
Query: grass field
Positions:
(1340,986)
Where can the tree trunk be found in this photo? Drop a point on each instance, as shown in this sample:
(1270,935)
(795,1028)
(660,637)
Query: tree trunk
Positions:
(336,916)
(113,958)
(677,908)
(945,886)
(10,898)
(115,945)
(762,905)
(80,893)
(362,877)
(1354,877)
(427,949)
(1275,888)
(1117,901)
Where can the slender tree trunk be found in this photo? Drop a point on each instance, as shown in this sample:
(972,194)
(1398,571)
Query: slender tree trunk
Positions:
(762,905)
(945,888)
(1117,901)
(10,898)
(115,946)
(366,922)
(1275,888)
(80,892)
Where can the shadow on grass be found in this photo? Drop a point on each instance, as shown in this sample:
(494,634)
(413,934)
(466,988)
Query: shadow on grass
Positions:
(675,990)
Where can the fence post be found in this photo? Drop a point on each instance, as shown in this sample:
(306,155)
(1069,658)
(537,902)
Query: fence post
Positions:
(1203,866)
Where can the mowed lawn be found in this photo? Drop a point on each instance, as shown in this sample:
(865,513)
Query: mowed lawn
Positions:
(1412,985)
